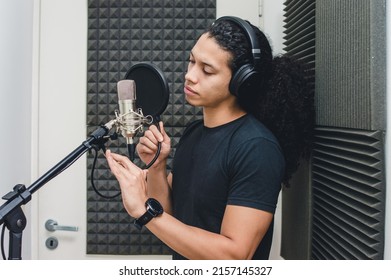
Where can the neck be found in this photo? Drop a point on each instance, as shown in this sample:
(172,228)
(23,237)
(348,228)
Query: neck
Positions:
(218,116)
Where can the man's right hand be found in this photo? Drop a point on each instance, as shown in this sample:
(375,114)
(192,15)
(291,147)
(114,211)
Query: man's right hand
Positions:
(148,145)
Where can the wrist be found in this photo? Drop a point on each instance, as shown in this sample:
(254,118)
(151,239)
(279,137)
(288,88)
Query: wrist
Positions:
(139,207)
(137,213)
(159,165)
(153,210)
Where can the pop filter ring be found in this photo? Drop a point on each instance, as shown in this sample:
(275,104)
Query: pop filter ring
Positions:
(152,91)
(150,80)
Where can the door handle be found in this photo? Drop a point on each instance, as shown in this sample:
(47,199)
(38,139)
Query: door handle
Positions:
(52,225)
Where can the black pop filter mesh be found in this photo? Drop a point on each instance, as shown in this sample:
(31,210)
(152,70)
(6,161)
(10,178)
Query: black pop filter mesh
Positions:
(152,92)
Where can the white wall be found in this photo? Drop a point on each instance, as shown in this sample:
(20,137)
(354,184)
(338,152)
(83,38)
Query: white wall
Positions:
(16,21)
(272,16)
(272,26)
(268,16)
(239,9)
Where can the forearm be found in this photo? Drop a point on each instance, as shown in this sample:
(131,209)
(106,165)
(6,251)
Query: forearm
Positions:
(159,187)
(194,243)
(242,230)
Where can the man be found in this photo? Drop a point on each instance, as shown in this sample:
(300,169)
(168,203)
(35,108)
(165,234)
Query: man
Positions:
(219,200)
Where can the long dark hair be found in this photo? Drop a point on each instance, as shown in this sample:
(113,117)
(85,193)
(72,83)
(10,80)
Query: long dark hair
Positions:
(282,101)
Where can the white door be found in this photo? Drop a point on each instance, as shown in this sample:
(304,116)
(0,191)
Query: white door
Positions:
(59,124)
(61,27)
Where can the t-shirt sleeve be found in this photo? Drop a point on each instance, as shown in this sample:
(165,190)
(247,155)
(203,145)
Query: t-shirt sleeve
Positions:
(257,170)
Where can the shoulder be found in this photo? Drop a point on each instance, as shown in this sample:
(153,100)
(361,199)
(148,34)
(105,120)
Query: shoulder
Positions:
(190,130)
(254,146)
(192,126)
(250,129)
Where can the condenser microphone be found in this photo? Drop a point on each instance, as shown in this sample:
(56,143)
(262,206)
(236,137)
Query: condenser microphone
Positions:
(130,119)
(152,99)
(127,108)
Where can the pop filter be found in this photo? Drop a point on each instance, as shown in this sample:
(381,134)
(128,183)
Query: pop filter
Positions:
(152,92)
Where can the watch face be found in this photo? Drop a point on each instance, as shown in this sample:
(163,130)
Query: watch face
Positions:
(155,206)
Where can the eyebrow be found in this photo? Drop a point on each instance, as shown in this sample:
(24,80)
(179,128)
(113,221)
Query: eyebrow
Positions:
(205,63)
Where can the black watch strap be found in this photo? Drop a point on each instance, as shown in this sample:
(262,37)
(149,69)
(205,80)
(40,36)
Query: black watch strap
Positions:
(143,220)
(154,209)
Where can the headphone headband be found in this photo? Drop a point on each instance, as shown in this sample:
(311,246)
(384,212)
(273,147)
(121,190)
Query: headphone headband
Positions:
(249,32)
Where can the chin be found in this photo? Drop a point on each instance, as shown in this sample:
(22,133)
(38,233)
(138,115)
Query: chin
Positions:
(190,101)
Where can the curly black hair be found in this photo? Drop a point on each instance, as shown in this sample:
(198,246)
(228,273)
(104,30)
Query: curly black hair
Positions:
(282,99)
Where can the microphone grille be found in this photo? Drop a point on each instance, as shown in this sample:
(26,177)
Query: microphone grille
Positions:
(126,89)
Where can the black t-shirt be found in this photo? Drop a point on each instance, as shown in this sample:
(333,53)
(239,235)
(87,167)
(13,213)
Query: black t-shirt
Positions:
(238,163)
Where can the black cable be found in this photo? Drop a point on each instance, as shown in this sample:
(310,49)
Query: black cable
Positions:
(92,180)
(159,146)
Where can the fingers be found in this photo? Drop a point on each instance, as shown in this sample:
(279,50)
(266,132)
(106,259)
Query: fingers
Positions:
(116,160)
(149,140)
(116,167)
(120,164)
(159,134)
(132,181)
(156,133)
(163,131)
(152,137)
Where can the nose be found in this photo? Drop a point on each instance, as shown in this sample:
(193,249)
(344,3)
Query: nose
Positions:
(191,75)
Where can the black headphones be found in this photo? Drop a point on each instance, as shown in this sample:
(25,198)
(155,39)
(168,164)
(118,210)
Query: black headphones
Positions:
(247,75)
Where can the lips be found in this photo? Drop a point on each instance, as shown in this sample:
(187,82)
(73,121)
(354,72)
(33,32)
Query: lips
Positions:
(189,91)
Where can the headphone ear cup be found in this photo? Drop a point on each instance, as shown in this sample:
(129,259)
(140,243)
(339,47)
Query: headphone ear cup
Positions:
(243,80)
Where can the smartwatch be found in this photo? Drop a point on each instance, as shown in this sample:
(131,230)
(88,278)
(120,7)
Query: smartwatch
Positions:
(154,209)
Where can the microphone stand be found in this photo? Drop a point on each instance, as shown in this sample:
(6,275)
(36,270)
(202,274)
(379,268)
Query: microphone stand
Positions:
(11,213)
